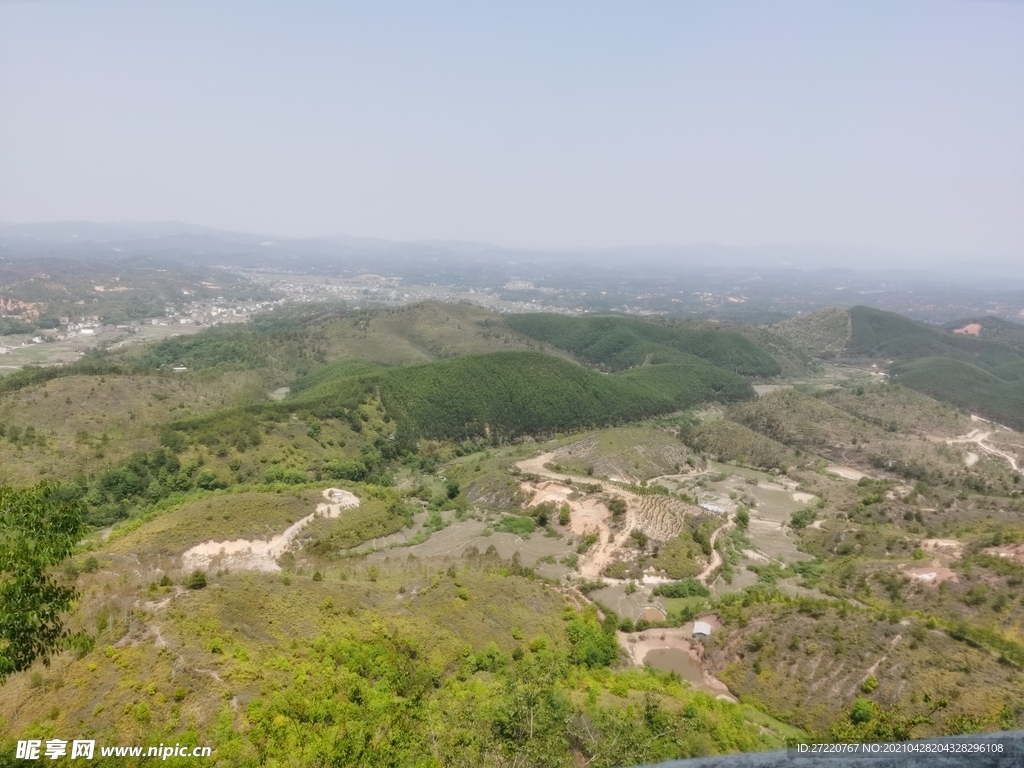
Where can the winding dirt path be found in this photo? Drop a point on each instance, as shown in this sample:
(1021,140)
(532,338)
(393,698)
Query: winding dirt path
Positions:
(259,555)
(716,556)
(586,516)
(594,561)
(978,438)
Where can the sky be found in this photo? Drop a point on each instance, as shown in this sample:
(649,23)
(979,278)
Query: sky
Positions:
(892,125)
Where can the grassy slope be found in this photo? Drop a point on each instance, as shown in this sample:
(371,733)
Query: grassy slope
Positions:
(810,667)
(618,343)
(1010,371)
(220,517)
(71,415)
(816,425)
(421,657)
(966,386)
(862,331)
(633,453)
(824,333)
(728,441)
(793,360)
(302,340)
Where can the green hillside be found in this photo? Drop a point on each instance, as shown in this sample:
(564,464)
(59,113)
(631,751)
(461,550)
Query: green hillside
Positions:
(508,394)
(966,386)
(867,332)
(824,333)
(1010,371)
(885,334)
(993,328)
(296,341)
(618,343)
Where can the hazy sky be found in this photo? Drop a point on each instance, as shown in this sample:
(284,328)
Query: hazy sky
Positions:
(890,124)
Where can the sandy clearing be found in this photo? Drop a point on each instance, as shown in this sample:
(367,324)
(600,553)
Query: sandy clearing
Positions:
(260,555)
(757,557)
(933,574)
(971,459)
(971,329)
(949,547)
(1008,551)
(591,516)
(848,472)
(803,498)
(764,389)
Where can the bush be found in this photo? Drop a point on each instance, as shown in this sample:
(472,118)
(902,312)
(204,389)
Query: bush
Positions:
(563,514)
(196,580)
(685,588)
(862,711)
(802,518)
(617,506)
(521,526)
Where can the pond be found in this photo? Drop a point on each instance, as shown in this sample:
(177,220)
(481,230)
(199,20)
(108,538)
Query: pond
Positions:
(676,660)
(653,614)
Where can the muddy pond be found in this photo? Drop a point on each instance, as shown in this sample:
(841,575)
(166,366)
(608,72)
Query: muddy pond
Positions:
(676,660)
(653,614)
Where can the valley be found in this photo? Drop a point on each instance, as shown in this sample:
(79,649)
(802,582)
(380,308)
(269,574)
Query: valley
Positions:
(394,533)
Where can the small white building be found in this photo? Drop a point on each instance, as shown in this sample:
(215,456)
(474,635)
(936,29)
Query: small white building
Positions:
(5,350)
(701,629)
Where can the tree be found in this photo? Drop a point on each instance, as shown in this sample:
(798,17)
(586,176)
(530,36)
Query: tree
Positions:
(743,518)
(39,527)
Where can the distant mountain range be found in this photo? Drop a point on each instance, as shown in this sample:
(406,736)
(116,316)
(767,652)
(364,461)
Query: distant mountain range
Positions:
(209,245)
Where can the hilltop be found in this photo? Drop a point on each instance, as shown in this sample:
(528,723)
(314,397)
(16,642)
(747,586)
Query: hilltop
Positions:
(973,364)
(618,343)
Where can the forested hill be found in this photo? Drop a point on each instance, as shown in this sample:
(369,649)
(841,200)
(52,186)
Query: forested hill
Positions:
(516,393)
(618,343)
(867,332)
(975,364)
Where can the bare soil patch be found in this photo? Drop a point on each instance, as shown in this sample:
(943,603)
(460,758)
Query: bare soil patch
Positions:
(261,555)
(1009,551)
(948,547)
(932,575)
(848,472)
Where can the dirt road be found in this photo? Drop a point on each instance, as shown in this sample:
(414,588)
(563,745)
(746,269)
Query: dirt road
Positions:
(978,438)
(261,555)
(716,556)
(604,551)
